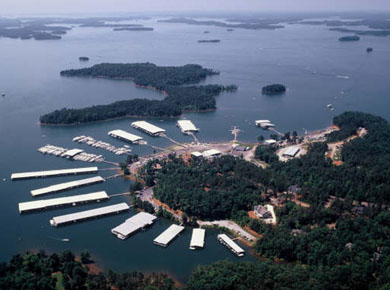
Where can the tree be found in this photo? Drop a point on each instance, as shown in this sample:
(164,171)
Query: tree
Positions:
(85,257)
(260,139)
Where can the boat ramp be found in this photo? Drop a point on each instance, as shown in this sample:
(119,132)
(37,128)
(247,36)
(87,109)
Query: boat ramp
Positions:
(51,173)
(133,224)
(62,201)
(83,215)
(67,185)
(168,235)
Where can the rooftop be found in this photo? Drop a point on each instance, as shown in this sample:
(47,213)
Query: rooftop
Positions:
(197,239)
(124,135)
(133,224)
(58,172)
(186,125)
(169,234)
(146,126)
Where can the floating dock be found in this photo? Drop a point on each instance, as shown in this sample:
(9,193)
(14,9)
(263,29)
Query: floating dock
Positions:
(228,242)
(123,135)
(50,173)
(133,224)
(265,124)
(83,215)
(62,201)
(168,235)
(147,128)
(197,239)
(186,126)
(67,185)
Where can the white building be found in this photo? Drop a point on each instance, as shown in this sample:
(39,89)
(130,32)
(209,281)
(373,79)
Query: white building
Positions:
(186,126)
(120,134)
(197,238)
(147,128)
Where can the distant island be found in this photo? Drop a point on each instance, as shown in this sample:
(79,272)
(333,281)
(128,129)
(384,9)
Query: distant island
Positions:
(369,49)
(83,58)
(230,29)
(349,38)
(274,89)
(134,29)
(253,24)
(208,40)
(167,80)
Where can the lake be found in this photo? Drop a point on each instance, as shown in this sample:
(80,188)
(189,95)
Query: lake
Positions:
(316,68)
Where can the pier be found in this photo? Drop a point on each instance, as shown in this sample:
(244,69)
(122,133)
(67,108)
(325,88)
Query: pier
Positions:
(133,224)
(83,215)
(197,239)
(148,128)
(228,242)
(67,185)
(51,173)
(62,201)
(168,235)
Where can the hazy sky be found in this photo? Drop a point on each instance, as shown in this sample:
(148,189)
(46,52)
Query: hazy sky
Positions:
(101,6)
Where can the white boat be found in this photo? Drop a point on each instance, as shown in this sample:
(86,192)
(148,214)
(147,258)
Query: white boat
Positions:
(329,105)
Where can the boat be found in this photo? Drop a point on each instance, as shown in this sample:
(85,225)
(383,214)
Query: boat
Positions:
(329,105)
(3,94)
(65,240)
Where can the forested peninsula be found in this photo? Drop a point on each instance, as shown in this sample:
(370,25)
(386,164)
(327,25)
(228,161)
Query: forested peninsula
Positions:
(336,237)
(176,82)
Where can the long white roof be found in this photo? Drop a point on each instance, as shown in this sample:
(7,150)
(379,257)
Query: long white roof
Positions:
(168,235)
(124,135)
(89,213)
(211,152)
(197,239)
(231,243)
(262,121)
(42,204)
(133,224)
(186,125)
(146,126)
(57,172)
(67,185)
(291,151)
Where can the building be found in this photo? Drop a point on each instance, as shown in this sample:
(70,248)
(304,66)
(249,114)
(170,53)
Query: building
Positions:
(228,242)
(123,135)
(211,153)
(168,235)
(133,224)
(148,128)
(265,124)
(197,239)
(50,173)
(270,142)
(291,151)
(186,126)
(241,148)
(196,154)
(262,212)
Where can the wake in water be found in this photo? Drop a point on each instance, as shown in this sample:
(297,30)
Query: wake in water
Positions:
(61,240)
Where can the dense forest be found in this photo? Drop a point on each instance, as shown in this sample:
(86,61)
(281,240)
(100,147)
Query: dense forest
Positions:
(175,82)
(63,271)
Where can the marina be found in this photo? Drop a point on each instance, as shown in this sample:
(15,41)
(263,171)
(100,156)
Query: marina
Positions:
(67,185)
(83,215)
(126,136)
(88,140)
(133,224)
(197,239)
(73,154)
(168,235)
(51,173)
(187,127)
(228,242)
(62,201)
(148,128)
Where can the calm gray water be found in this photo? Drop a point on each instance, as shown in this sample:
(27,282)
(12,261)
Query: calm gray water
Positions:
(307,59)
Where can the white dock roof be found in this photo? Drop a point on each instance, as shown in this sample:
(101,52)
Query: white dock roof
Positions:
(270,141)
(197,239)
(196,154)
(42,204)
(73,217)
(291,151)
(262,121)
(73,152)
(124,135)
(186,126)
(133,224)
(67,185)
(231,243)
(146,126)
(168,235)
(58,172)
